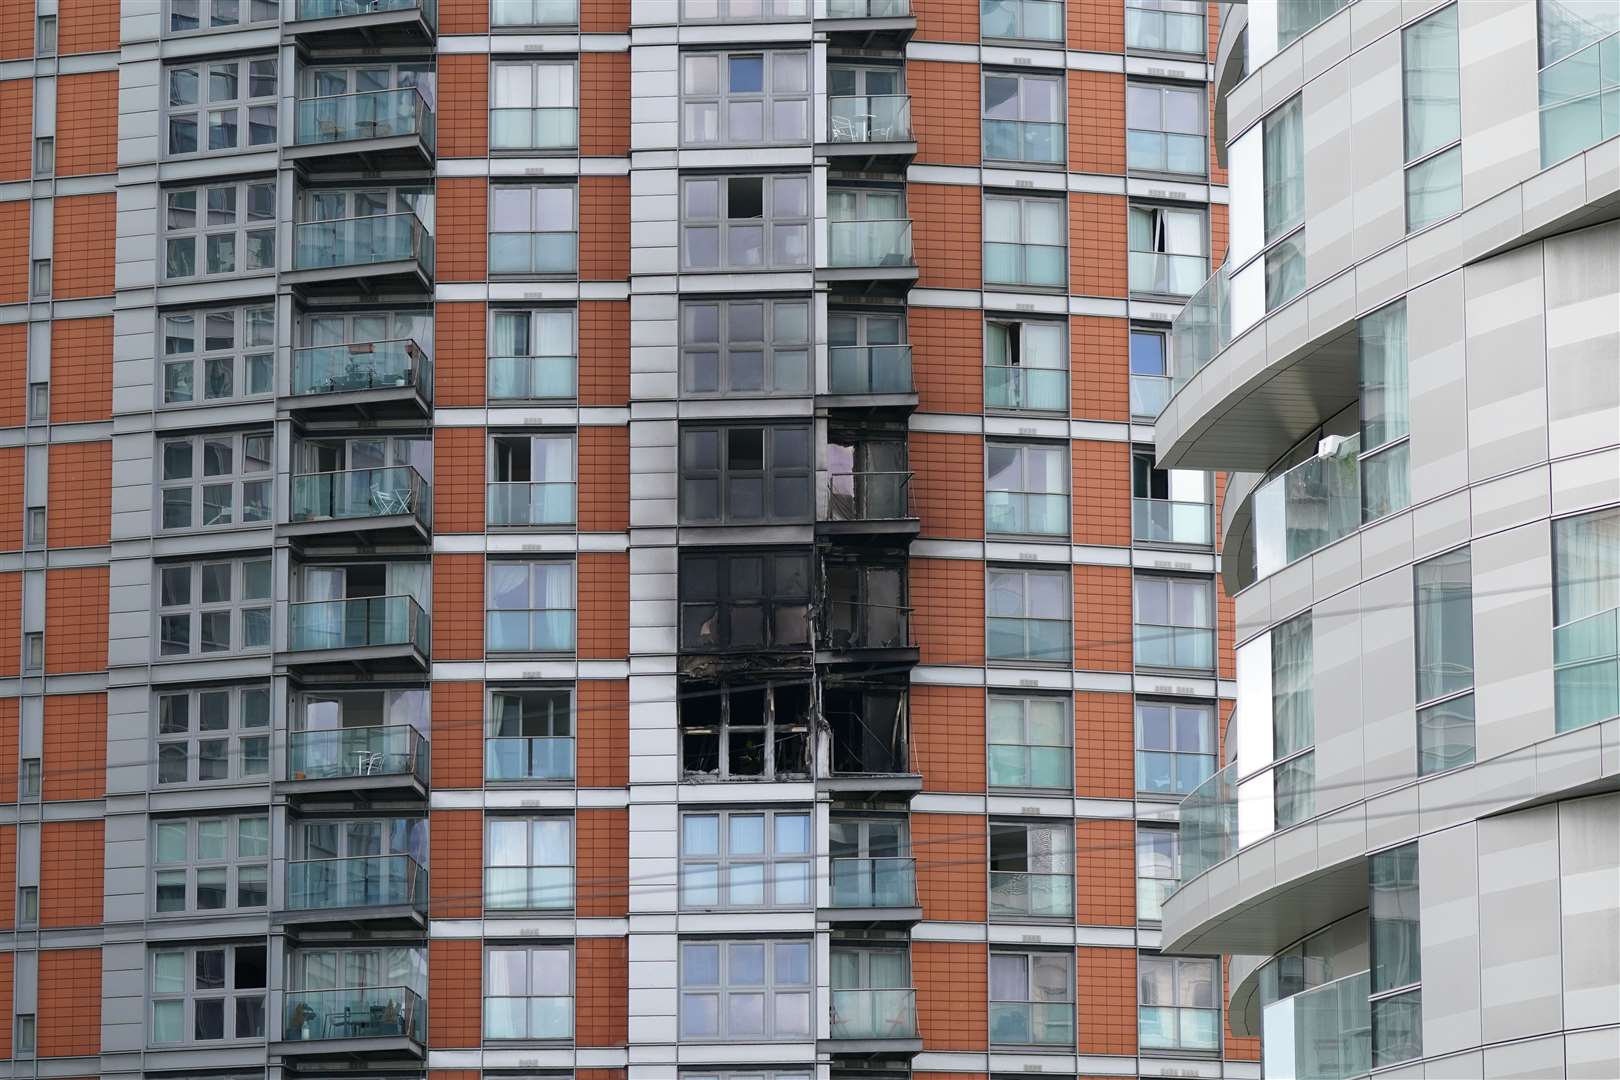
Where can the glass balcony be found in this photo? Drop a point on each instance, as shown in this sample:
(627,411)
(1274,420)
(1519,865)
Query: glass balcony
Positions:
(877,242)
(1209,824)
(1026,513)
(1308,507)
(1149,394)
(1166,772)
(1037,142)
(1026,388)
(312,10)
(882,118)
(1162,1028)
(374,1012)
(1580,100)
(853,625)
(867,9)
(514,13)
(1324,1033)
(369,881)
(534,129)
(524,503)
(339,753)
(537,757)
(1032,1023)
(378,114)
(529,888)
(1041,640)
(869,496)
(1014,892)
(1042,265)
(1161,521)
(361,365)
(1586,670)
(1174,646)
(874,883)
(1165,152)
(874,1014)
(366,622)
(524,378)
(362,241)
(869,369)
(1200,329)
(1169,275)
(1027,20)
(533,252)
(361,493)
(537,630)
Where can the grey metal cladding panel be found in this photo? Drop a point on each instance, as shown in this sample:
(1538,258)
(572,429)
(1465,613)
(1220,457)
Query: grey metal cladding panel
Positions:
(1372,19)
(1378,146)
(1466,1066)
(1589,847)
(1537,1059)
(1590,480)
(1389,725)
(1592,1055)
(1512,639)
(1507,370)
(1329,204)
(123,980)
(1501,138)
(1448,892)
(1336,658)
(1511,500)
(1326,44)
(1438,387)
(1583,339)
(1519,949)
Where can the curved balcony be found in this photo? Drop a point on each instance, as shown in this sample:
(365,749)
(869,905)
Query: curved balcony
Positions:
(380,129)
(873,254)
(873,1022)
(869,132)
(346,24)
(869,503)
(866,24)
(343,761)
(373,632)
(869,891)
(392,504)
(377,1021)
(365,378)
(378,253)
(370,890)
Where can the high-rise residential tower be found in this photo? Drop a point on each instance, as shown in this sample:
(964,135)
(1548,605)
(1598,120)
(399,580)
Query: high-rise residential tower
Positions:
(1410,361)
(613,539)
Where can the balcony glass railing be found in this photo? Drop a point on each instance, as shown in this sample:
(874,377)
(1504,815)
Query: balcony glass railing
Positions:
(1174,646)
(1026,388)
(868,9)
(867,118)
(1027,20)
(340,753)
(1043,265)
(1324,1033)
(529,888)
(1037,142)
(1164,521)
(528,1017)
(309,10)
(526,503)
(1580,100)
(869,496)
(1026,513)
(854,625)
(533,378)
(1165,152)
(1017,765)
(1041,640)
(1166,274)
(1586,670)
(869,369)
(1164,1028)
(874,883)
(533,757)
(367,881)
(533,252)
(1032,1023)
(1209,824)
(373,1012)
(1014,892)
(1202,328)
(377,114)
(555,128)
(533,630)
(361,493)
(507,13)
(1149,394)
(366,622)
(362,241)
(874,1014)
(360,365)
(1308,507)
(1169,772)
(870,243)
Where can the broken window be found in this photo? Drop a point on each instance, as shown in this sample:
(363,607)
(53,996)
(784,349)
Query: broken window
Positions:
(745,601)
(867,477)
(752,731)
(868,728)
(866,606)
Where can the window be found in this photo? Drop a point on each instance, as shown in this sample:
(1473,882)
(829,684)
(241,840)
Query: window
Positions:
(867,718)
(1150,381)
(1445,662)
(1175,622)
(1031,869)
(28,907)
(218,354)
(211,480)
(187,15)
(1158,866)
(1586,609)
(1030,259)
(44,155)
(867,103)
(1276,749)
(865,605)
(1026,365)
(208,993)
(1579,78)
(1385,476)
(531,607)
(1023,118)
(1168,250)
(1026,489)
(39,283)
(31,777)
(533,355)
(26,1034)
(219,229)
(1431,71)
(220,606)
(746,859)
(45,35)
(752,600)
(750,346)
(746,991)
(1394,948)
(531,480)
(505,13)
(531,734)
(1178,1007)
(533,106)
(745,98)
(745,222)
(1027,615)
(529,864)
(735,11)
(1282,149)
(206,735)
(34,651)
(867,226)
(1295,17)
(34,534)
(1166,26)
(1168,506)
(871,862)
(39,401)
(210,864)
(1030,741)
(739,474)
(871,994)
(1031,998)
(532,230)
(221,105)
(1175,746)
(748,732)
(1027,20)
(1165,129)
(867,353)
(529,992)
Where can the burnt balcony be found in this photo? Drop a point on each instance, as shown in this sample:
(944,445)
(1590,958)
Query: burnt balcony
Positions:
(371,892)
(349,24)
(870,503)
(376,253)
(376,633)
(378,759)
(379,129)
(869,133)
(866,24)
(854,626)
(868,725)
(389,504)
(372,1023)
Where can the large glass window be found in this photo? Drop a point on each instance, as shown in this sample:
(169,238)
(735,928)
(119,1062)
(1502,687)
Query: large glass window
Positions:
(531,607)
(1031,869)
(1295,17)
(1175,622)
(746,474)
(867,352)
(751,731)
(1158,866)
(1165,26)
(529,863)
(1586,618)
(210,864)
(1031,998)
(217,354)
(1168,250)
(533,230)
(207,993)
(753,990)
(1580,75)
(1026,489)
(544,13)
(1293,720)
(1431,67)
(209,15)
(1026,365)
(219,229)
(529,992)
(1165,129)
(1445,661)
(745,222)
(737,600)
(533,355)
(1168,506)
(215,480)
(871,864)
(1025,242)
(1150,372)
(736,11)
(533,106)
(212,734)
(746,859)
(1385,412)
(745,98)
(1395,948)
(1027,615)
(1023,118)
(1023,20)
(1030,742)
(531,734)
(1175,746)
(1283,165)
(753,346)
(220,606)
(1179,1004)
(221,106)
(532,480)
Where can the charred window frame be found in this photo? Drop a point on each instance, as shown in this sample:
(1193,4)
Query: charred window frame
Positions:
(865,605)
(869,725)
(756,730)
(745,600)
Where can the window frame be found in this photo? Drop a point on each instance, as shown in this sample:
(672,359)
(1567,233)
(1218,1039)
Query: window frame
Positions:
(722,224)
(1177,964)
(772,603)
(243,106)
(493,717)
(724,476)
(533,333)
(1175,706)
(534,217)
(1023,451)
(1061,850)
(245,231)
(722,98)
(191,866)
(533,889)
(1060,147)
(1017,328)
(1159,227)
(1173,584)
(1153,7)
(551,950)
(239,606)
(769,11)
(534,582)
(240,481)
(1018,6)
(770,737)
(776,867)
(1155,829)
(1024,700)
(235,735)
(251,353)
(189,994)
(1450,703)
(1025,574)
(536,94)
(1394,875)
(771,348)
(1022,203)
(568,438)
(268,11)
(769,988)
(1447,151)
(1162,92)
(1029,958)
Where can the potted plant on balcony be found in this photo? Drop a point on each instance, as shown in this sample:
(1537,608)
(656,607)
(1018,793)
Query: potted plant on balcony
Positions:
(300,1021)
